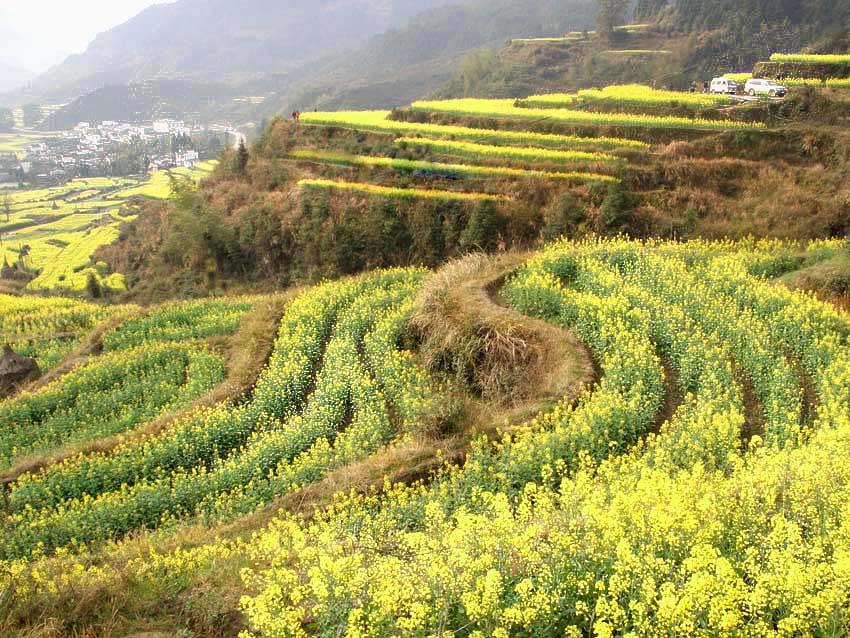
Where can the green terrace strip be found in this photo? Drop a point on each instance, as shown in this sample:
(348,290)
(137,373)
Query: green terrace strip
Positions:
(48,328)
(567,38)
(638,52)
(738,77)
(630,94)
(830,83)
(843,58)
(113,394)
(378,122)
(387,191)
(438,168)
(573,36)
(507,109)
(180,321)
(528,155)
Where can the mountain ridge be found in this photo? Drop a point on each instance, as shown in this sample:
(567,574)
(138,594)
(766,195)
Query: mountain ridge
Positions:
(235,41)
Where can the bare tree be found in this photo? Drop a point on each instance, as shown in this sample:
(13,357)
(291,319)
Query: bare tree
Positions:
(7,206)
(611,14)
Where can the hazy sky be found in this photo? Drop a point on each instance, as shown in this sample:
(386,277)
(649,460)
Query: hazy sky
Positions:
(35,34)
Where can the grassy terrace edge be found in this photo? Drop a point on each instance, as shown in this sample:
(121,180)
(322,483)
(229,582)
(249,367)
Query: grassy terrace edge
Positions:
(342,159)
(483,151)
(825,58)
(378,122)
(405,193)
(508,109)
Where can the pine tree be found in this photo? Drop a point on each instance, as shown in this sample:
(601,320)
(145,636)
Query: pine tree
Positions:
(484,228)
(648,10)
(611,14)
(241,158)
(93,286)
(617,213)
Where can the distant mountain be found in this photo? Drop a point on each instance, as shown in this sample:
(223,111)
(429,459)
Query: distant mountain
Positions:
(228,41)
(272,55)
(142,102)
(13,77)
(407,63)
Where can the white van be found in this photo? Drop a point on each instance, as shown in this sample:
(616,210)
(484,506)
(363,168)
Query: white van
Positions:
(770,88)
(725,86)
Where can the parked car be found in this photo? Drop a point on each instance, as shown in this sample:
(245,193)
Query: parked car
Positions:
(725,86)
(764,87)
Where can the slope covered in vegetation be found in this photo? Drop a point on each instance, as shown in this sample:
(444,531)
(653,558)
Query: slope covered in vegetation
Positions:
(530,375)
(684,370)
(341,192)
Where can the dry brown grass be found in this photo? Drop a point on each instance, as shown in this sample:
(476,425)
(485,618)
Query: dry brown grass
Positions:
(492,350)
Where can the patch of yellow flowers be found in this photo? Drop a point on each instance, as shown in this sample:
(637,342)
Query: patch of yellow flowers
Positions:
(589,520)
(630,545)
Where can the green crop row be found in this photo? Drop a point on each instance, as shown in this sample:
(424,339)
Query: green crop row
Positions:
(403,193)
(111,395)
(508,109)
(484,152)
(74,503)
(180,321)
(440,169)
(378,122)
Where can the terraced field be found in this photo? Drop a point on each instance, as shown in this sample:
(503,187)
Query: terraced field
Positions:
(380,122)
(510,110)
(697,485)
(630,95)
(597,438)
(578,36)
(48,329)
(473,149)
(53,232)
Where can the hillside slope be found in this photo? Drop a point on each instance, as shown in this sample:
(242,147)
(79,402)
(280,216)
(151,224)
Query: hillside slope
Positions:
(339,193)
(315,464)
(141,102)
(13,77)
(682,42)
(407,63)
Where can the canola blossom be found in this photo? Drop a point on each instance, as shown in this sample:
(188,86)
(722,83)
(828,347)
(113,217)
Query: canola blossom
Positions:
(439,169)
(364,188)
(379,122)
(180,321)
(54,232)
(702,528)
(49,328)
(697,488)
(811,58)
(485,152)
(108,396)
(629,94)
(508,109)
(222,461)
